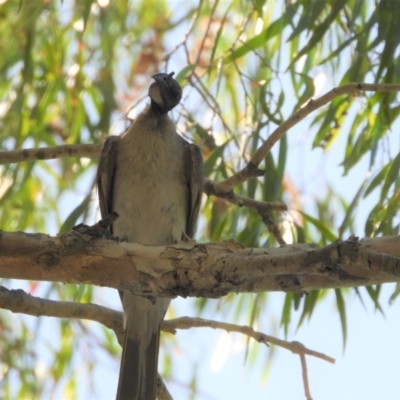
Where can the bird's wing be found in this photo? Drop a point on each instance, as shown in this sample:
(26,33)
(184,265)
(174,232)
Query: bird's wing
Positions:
(106,173)
(194,175)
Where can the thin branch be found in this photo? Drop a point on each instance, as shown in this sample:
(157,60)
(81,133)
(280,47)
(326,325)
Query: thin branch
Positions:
(294,347)
(273,228)
(305,377)
(205,35)
(260,206)
(251,170)
(18,301)
(48,153)
(188,32)
(210,100)
(263,208)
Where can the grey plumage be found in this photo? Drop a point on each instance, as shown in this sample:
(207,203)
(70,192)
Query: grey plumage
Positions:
(153,179)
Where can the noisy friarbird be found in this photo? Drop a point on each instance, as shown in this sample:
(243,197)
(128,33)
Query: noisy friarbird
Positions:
(152,178)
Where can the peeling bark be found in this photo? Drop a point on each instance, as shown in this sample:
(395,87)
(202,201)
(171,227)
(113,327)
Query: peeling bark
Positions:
(198,269)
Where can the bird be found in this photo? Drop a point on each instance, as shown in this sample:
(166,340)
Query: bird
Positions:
(153,179)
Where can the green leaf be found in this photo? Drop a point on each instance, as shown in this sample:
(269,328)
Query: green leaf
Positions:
(183,74)
(342,313)
(73,217)
(308,91)
(325,232)
(353,206)
(259,4)
(339,49)
(280,168)
(286,312)
(374,293)
(308,18)
(378,179)
(259,40)
(391,177)
(320,30)
(86,12)
(395,294)
(210,162)
(310,302)
(330,127)
(219,33)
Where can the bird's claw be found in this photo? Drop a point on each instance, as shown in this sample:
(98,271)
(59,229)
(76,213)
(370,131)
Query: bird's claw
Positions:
(101,229)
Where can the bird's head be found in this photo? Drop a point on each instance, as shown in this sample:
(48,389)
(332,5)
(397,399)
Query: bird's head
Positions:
(165,92)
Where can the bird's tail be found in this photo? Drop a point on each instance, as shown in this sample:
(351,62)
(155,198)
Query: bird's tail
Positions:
(138,373)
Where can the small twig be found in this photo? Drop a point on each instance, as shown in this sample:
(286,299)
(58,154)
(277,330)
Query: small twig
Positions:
(206,95)
(188,32)
(305,377)
(259,206)
(263,208)
(273,228)
(205,35)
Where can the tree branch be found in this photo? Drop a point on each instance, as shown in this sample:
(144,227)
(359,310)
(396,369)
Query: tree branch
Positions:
(294,347)
(18,301)
(305,377)
(49,153)
(251,169)
(261,207)
(196,269)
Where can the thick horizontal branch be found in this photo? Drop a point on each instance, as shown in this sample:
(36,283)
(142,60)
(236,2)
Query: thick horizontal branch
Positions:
(196,269)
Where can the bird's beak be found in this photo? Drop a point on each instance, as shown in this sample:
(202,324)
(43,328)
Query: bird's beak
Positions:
(163,78)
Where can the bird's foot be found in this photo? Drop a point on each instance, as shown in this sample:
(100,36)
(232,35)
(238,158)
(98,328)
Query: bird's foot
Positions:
(101,229)
(185,237)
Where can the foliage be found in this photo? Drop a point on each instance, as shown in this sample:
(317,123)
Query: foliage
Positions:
(72,71)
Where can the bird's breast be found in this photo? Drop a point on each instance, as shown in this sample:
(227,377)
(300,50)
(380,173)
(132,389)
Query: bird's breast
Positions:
(150,192)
